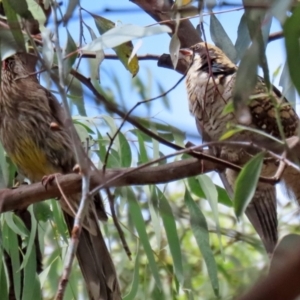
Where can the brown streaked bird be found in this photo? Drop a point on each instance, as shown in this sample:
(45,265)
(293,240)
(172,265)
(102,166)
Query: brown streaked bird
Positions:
(27,111)
(208,96)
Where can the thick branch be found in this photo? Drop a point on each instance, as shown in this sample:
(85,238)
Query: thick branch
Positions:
(12,199)
(161,11)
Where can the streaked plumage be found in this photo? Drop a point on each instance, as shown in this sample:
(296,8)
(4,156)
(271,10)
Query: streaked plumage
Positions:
(208,96)
(26,112)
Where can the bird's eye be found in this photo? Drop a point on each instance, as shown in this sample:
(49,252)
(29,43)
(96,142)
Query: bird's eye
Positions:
(196,47)
(8,64)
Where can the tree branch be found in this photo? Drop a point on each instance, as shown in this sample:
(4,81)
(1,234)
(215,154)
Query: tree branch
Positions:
(161,11)
(21,197)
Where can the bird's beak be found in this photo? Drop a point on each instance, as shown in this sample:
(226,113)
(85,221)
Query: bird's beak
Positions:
(185,53)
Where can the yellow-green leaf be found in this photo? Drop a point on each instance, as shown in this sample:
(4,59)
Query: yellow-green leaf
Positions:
(124,50)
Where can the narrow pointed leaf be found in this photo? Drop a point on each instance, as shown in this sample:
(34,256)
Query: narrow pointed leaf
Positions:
(200,231)
(291,31)
(135,281)
(221,38)
(246,183)
(172,235)
(122,34)
(137,218)
(124,51)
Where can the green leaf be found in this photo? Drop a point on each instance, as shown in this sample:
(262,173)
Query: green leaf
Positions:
(122,34)
(221,38)
(279,9)
(123,51)
(246,183)
(21,8)
(195,188)
(137,218)
(135,281)
(71,47)
(143,157)
(4,167)
(200,231)
(291,30)
(124,151)
(30,244)
(246,79)
(172,235)
(59,222)
(259,24)
(211,194)
(8,45)
(72,4)
(82,132)
(42,211)
(47,48)
(288,89)
(43,276)
(10,242)
(37,12)
(243,38)
(32,289)
(155,220)
(76,94)
(3,278)
(13,22)
(174,49)
(15,224)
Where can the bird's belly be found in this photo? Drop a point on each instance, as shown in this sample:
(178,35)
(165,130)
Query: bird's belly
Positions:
(24,147)
(215,123)
(31,160)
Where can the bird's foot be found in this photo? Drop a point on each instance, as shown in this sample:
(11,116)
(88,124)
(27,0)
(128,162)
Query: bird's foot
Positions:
(47,179)
(77,169)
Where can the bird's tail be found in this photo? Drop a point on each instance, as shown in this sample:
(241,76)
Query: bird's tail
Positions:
(261,212)
(96,264)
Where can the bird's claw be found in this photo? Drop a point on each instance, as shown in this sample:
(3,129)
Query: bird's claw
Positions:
(47,179)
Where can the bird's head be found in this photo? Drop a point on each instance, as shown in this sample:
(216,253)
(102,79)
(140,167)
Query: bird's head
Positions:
(205,57)
(20,64)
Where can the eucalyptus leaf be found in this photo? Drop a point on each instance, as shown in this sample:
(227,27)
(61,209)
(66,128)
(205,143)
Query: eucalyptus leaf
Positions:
(221,38)
(246,78)
(135,280)
(122,34)
(48,48)
(200,231)
(137,218)
(246,182)
(14,23)
(288,89)
(243,38)
(291,31)
(172,234)
(72,4)
(174,49)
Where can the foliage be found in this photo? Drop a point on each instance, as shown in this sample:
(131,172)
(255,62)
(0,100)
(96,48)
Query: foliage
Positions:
(183,247)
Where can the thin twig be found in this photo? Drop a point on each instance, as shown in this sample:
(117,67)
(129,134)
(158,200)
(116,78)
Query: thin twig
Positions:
(64,196)
(132,109)
(84,167)
(117,224)
(196,148)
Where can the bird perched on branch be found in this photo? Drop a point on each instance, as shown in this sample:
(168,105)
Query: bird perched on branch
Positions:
(27,114)
(210,82)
